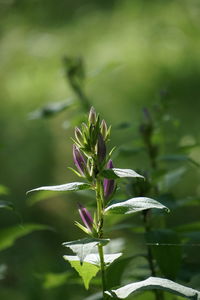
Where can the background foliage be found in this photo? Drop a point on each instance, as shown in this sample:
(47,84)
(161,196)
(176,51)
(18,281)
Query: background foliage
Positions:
(136,53)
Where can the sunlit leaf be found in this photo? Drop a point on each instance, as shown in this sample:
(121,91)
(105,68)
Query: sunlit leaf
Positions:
(9,235)
(155,283)
(120,173)
(83,247)
(73,186)
(86,270)
(133,205)
(94,259)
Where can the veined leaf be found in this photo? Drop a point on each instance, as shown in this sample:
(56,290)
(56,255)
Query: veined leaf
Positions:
(83,247)
(91,265)
(94,259)
(6,204)
(120,173)
(134,205)
(9,235)
(155,283)
(86,270)
(73,186)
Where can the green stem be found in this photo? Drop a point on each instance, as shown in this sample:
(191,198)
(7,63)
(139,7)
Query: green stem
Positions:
(100,207)
(102,266)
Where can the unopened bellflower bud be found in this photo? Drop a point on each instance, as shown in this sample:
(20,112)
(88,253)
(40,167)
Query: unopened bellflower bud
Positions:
(78,135)
(108,184)
(79,160)
(92,116)
(86,217)
(104,129)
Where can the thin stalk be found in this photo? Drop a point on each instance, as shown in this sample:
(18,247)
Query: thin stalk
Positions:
(100,206)
(102,266)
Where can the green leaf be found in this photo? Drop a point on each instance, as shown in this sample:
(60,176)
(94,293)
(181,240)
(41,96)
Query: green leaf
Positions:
(166,251)
(73,186)
(83,247)
(155,283)
(86,270)
(51,109)
(134,205)
(6,204)
(120,173)
(9,235)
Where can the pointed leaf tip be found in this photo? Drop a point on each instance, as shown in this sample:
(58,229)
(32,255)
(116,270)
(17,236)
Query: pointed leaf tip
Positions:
(115,173)
(73,186)
(134,205)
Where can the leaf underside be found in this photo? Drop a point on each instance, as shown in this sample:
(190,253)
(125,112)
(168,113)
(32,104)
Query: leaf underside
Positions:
(134,205)
(83,247)
(120,173)
(155,283)
(73,186)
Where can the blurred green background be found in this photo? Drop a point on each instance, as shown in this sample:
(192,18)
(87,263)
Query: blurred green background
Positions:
(133,51)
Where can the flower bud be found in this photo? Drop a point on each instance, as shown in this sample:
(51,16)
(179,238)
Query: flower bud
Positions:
(86,217)
(92,116)
(79,160)
(104,129)
(108,184)
(78,135)
(101,148)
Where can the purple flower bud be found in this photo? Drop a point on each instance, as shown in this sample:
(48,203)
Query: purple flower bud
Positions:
(101,148)
(108,184)
(79,160)
(92,116)
(86,217)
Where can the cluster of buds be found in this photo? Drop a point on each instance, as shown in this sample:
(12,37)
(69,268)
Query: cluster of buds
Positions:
(89,149)
(91,158)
